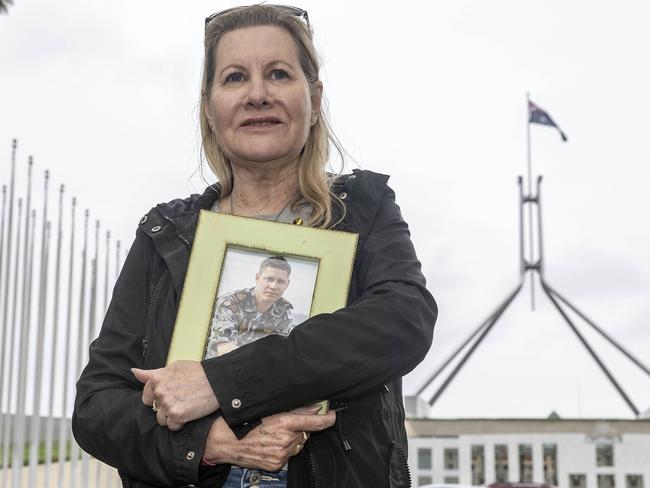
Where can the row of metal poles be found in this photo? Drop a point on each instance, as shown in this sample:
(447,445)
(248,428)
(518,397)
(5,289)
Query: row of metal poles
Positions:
(53,295)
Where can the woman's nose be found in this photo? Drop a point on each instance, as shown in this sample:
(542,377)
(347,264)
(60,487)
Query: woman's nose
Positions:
(258,95)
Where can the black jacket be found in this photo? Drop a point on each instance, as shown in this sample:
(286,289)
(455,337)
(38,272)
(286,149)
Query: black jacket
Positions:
(354,357)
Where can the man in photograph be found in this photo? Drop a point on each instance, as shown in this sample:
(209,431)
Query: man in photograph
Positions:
(246,315)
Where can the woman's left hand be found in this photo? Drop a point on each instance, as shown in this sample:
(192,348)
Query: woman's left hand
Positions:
(181,391)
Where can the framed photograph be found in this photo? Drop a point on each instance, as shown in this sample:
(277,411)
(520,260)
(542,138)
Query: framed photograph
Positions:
(248,278)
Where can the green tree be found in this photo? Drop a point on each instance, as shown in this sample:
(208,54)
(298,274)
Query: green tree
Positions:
(4,5)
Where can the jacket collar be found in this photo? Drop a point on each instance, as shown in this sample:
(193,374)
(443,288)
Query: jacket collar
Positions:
(172,225)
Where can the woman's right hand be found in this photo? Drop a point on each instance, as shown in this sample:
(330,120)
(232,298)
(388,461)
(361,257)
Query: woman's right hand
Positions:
(269,445)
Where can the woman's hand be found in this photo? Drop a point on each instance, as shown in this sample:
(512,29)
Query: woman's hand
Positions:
(181,391)
(269,445)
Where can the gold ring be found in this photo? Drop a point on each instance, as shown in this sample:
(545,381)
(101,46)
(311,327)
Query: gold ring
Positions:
(154,406)
(298,447)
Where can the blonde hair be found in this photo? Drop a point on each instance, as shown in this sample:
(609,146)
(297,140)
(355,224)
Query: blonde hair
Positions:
(314,182)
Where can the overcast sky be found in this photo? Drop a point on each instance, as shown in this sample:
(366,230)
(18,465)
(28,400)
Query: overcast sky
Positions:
(104,94)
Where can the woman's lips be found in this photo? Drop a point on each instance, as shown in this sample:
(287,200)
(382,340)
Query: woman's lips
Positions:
(261,122)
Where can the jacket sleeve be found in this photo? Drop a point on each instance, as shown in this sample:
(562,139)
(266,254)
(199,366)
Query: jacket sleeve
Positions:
(109,420)
(337,356)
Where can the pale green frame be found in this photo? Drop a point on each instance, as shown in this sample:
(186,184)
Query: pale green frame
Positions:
(335,251)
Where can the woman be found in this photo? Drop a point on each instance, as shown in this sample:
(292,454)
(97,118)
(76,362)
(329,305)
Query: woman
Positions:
(238,418)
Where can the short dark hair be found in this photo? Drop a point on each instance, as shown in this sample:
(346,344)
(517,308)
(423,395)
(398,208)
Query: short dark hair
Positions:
(277,262)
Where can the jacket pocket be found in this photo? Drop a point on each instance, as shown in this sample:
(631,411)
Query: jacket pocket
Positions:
(399,475)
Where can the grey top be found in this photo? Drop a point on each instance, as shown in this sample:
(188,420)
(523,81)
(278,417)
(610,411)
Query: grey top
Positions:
(288,215)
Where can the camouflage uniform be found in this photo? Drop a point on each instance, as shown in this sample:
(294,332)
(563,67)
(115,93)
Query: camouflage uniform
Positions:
(237,321)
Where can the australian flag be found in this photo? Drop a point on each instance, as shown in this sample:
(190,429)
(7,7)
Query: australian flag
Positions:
(538,116)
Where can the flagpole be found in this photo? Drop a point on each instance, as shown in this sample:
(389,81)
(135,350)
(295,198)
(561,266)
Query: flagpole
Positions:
(530,208)
(54,373)
(14,329)
(64,425)
(7,327)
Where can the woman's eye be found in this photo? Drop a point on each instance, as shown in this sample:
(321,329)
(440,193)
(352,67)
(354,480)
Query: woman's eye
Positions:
(279,74)
(235,77)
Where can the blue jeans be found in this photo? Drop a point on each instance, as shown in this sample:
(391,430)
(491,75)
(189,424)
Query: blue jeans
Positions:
(250,478)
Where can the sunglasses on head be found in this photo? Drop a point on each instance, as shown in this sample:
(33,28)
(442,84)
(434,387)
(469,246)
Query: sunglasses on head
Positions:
(298,12)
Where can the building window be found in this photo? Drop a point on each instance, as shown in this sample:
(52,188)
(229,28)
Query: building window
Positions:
(604,454)
(605,481)
(550,464)
(634,481)
(424,480)
(478,465)
(577,481)
(451,480)
(501,463)
(424,458)
(451,458)
(525,463)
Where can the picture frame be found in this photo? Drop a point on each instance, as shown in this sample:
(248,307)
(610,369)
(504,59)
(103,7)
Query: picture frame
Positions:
(222,238)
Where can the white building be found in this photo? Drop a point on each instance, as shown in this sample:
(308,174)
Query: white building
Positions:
(565,453)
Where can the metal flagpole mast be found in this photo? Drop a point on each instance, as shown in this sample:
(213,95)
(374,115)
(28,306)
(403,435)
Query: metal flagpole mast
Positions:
(108,247)
(23,349)
(24,353)
(2,260)
(80,338)
(117,258)
(13,352)
(49,434)
(104,308)
(530,193)
(63,425)
(92,323)
(91,326)
(4,306)
(5,312)
(4,425)
(35,423)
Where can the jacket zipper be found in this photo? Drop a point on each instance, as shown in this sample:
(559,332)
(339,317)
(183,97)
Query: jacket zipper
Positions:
(313,482)
(405,464)
(152,298)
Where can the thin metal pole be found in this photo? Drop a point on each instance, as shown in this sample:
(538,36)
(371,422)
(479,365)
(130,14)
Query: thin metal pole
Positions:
(522,258)
(92,319)
(85,467)
(117,259)
(593,354)
(64,426)
(49,431)
(80,338)
(35,424)
(4,305)
(598,329)
(540,241)
(108,247)
(19,444)
(12,351)
(5,426)
(494,318)
(2,260)
(530,208)
(108,469)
